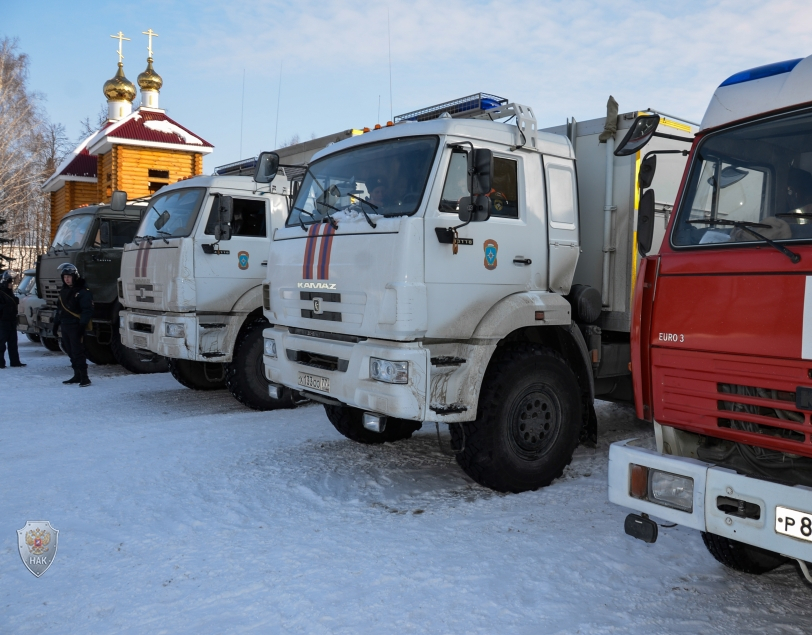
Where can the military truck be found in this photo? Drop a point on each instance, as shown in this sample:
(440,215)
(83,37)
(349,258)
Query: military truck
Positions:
(462,271)
(93,239)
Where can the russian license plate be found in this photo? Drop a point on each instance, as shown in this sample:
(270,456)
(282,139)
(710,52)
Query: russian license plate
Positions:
(140,340)
(314,381)
(791,522)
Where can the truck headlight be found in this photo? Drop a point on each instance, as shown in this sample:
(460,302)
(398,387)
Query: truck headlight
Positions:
(661,488)
(671,490)
(175,330)
(390,372)
(270,348)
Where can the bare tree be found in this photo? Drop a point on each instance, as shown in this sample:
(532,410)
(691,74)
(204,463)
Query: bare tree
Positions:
(30,148)
(291,142)
(89,125)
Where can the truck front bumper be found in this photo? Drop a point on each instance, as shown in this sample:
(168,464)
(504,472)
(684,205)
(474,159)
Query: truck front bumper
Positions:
(345,364)
(207,338)
(713,488)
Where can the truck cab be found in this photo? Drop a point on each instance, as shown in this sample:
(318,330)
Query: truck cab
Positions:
(427,272)
(191,281)
(722,335)
(30,303)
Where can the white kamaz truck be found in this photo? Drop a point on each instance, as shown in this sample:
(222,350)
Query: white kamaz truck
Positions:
(454,269)
(191,281)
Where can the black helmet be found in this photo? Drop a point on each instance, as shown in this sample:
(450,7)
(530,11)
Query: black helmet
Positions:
(7,277)
(68,269)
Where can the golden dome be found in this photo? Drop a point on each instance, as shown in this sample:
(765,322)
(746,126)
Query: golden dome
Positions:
(119,88)
(149,79)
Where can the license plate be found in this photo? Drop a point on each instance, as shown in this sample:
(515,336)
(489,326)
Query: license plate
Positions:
(791,522)
(45,319)
(314,381)
(140,340)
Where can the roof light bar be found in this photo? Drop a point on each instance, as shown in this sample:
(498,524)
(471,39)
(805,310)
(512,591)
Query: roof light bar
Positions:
(760,72)
(469,106)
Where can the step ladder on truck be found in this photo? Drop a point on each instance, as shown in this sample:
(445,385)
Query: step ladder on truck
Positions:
(722,333)
(451,268)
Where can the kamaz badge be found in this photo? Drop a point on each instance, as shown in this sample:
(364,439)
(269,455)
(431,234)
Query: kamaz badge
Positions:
(242,260)
(37,542)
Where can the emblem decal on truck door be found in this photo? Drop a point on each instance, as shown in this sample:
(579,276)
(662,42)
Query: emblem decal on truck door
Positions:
(491,248)
(242,260)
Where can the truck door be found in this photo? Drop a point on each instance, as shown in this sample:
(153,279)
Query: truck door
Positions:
(562,198)
(222,278)
(494,258)
(102,258)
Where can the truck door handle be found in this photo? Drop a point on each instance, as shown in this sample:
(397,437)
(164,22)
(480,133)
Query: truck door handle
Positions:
(264,263)
(518,260)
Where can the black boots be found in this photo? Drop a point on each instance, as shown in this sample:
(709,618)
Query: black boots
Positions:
(84,380)
(73,380)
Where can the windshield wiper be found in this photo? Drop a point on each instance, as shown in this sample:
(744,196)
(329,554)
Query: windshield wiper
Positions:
(374,208)
(148,238)
(301,222)
(164,235)
(56,249)
(746,226)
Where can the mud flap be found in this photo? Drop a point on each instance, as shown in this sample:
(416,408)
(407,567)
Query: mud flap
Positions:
(589,433)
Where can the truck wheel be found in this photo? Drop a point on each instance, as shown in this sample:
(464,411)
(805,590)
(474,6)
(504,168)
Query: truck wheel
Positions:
(527,424)
(32,338)
(99,354)
(198,375)
(245,375)
(132,359)
(349,422)
(740,556)
(51,343)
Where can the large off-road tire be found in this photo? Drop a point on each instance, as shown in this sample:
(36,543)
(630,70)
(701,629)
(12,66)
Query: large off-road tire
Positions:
(51,343)
(198,375)
(740,556)
(99,354)
(133,360)
(32,337)
(528,421)
(245,375)
(349,422)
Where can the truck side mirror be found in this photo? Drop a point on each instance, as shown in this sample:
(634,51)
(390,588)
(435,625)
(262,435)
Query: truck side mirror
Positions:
(638,136)
(104,233)
(118,201)
(645,223)
(480,167)
(646,175)
(267,167)
(474,209)
(225,207)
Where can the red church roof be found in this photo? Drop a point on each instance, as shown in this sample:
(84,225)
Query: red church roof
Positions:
(83,164)
(147,127)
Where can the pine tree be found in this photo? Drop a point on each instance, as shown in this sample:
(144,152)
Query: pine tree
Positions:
(4,241)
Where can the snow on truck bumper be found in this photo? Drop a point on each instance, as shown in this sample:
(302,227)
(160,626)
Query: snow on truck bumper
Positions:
(723,502)
(206,338)
(340,371)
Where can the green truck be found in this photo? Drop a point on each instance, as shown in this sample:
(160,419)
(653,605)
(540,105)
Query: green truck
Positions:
(93,238)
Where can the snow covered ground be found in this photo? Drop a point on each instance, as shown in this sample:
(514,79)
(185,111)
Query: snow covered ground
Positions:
(183,511)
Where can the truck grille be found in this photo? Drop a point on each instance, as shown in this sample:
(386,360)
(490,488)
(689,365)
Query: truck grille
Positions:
(50,292)
(744,399)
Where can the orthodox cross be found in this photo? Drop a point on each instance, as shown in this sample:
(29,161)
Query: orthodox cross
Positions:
(150,34)
(120,37)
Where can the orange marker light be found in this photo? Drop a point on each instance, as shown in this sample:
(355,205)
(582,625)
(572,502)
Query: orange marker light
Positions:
(638,482)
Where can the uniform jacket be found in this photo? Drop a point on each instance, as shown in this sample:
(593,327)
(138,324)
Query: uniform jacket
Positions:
(76,299)
(8,304)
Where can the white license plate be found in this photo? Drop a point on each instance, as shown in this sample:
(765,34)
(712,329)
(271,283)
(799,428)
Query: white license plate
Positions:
(791,522)
(140,340)
(314,381)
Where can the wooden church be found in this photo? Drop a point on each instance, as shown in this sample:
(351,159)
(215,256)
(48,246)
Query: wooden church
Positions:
(138,151)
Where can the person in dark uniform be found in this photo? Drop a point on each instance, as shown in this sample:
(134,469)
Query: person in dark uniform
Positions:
(8,322)
(73,313)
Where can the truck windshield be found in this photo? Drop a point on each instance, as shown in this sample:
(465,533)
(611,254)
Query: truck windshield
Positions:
(387,178)
(172,215)
(26,285)
(756,176)
(72,231)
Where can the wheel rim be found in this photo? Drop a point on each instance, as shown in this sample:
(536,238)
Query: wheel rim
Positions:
(534,422)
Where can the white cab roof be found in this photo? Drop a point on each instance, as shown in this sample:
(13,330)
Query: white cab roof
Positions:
(760,90)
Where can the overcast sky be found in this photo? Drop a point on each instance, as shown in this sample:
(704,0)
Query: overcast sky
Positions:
(563,58)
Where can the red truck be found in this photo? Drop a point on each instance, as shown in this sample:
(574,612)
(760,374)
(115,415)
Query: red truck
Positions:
(722,331)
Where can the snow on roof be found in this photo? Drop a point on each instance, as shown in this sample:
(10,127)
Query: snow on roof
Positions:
(149,127)
(168,127)
(77,163)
